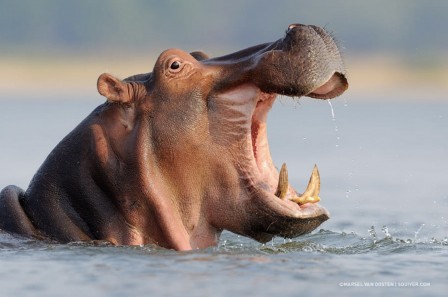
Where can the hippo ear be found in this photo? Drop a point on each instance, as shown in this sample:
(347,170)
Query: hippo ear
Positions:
(199,55)
(113,89)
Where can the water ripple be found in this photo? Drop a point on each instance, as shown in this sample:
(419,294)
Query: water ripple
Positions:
(323,241)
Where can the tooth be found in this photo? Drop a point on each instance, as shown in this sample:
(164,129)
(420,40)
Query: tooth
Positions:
(305,199)
(311,194)
(313,187)
(282,187)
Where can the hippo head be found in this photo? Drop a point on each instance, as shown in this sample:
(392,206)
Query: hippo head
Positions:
(193,134)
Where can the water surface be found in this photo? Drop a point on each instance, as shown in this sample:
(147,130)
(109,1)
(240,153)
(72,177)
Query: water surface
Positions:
(383,167)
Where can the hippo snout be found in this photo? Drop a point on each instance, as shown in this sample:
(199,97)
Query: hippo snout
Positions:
(292,26)
(305,62)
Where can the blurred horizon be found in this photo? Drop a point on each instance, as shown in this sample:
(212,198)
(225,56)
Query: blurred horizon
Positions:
(49,44)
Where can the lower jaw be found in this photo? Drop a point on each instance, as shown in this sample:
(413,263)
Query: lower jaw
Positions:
(266,173)
(269,217)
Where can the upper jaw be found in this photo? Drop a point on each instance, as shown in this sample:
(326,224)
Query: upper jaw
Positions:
(310,62)
(332,87)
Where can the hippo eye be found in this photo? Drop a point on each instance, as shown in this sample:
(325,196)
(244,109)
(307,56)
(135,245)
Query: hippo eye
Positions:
(175,65)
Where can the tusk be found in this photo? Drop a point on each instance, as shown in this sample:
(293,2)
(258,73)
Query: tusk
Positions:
(313,187)
(311,194)
(282,187)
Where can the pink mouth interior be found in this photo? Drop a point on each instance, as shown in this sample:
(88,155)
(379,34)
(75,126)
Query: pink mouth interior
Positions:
(254,157)
(260,146)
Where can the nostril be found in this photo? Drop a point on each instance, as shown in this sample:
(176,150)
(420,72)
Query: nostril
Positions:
(292,26)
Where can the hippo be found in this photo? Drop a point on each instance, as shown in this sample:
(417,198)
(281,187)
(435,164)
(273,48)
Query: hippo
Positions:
(175,156)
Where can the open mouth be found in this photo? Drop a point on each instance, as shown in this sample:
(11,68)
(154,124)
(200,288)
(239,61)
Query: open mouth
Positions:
(267,181)
(276,182)
(306,62)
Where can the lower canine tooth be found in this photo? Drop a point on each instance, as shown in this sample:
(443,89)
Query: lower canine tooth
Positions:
(313,188)
(305,199)
(311,194)
(282,187)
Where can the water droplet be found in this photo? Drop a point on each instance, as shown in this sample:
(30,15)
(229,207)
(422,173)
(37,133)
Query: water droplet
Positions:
(336,128)
(417,232)
(332,110)
(372,233)
(347,193)
(386,232)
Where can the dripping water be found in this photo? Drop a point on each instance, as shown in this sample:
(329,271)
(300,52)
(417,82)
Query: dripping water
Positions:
(417,232)
(332,110)
(336,128)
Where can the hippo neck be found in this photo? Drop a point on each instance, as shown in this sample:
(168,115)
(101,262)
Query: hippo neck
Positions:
(155,196)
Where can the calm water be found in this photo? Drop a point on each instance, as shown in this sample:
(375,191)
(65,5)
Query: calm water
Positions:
(383,167)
